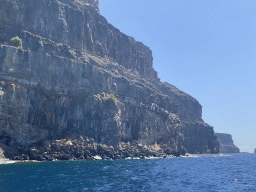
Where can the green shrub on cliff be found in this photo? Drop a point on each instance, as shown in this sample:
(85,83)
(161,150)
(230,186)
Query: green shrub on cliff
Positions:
(112,96)
(16,41)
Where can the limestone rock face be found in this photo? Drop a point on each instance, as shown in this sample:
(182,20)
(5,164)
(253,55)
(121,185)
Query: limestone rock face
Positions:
(226,143)
(78,74)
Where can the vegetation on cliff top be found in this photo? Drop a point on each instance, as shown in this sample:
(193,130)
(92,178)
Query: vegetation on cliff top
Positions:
(16,41)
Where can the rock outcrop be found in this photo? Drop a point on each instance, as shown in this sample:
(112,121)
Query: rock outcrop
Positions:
(77,74)
(2,156)
(75,147)
(226,143)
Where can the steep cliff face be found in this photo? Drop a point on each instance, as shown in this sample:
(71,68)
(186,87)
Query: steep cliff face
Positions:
(198,136)
(60,82)
(226,143)
(81,27)
(51,95)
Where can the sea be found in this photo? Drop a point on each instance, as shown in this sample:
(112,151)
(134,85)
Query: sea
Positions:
(221,172)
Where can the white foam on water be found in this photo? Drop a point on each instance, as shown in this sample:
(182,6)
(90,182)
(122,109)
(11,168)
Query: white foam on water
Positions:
(6,161)
(152,157)
(224,155)
(97,157)
(192,155)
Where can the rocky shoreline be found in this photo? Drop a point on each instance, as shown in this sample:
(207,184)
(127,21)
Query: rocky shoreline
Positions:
(96,158)
(87,149)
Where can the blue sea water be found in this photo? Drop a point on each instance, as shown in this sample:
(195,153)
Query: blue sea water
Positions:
(236,172)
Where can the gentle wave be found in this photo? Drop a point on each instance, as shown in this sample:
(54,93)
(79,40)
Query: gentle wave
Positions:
(220,172)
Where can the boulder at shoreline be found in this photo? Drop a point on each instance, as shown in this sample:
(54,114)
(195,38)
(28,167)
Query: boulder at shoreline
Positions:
(87,149)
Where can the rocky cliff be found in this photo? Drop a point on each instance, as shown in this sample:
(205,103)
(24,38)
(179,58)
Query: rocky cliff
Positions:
(77,74)
(226,143)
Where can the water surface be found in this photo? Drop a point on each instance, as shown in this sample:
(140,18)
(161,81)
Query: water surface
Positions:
(236,172)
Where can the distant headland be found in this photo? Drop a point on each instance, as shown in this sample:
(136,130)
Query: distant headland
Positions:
(226,143)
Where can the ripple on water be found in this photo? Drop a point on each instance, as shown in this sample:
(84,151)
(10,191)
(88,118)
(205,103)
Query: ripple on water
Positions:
(195,173)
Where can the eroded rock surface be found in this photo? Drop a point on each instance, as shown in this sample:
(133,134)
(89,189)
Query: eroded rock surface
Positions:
(77,74)
(75,147)
(226,143)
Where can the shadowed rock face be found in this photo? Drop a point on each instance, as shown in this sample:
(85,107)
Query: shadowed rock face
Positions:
(226,143)
(60,83)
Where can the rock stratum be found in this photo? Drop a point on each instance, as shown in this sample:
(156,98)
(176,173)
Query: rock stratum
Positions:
(226,143)
(79,75)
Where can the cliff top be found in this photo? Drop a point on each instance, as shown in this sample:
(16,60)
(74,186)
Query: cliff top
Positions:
(224,138)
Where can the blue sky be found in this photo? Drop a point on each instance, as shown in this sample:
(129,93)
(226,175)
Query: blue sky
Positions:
(206,48)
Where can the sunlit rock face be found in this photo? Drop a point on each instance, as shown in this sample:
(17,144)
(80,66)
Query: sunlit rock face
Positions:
(78,4)
(78,74)
(81,27)
(226,143)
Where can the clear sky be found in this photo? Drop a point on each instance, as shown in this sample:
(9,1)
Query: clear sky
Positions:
(206,48)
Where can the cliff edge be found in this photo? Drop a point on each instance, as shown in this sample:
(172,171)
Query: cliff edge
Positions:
(76,78)
(226,143)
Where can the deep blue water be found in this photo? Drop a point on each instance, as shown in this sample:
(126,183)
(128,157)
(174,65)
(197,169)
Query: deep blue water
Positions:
(200,173)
